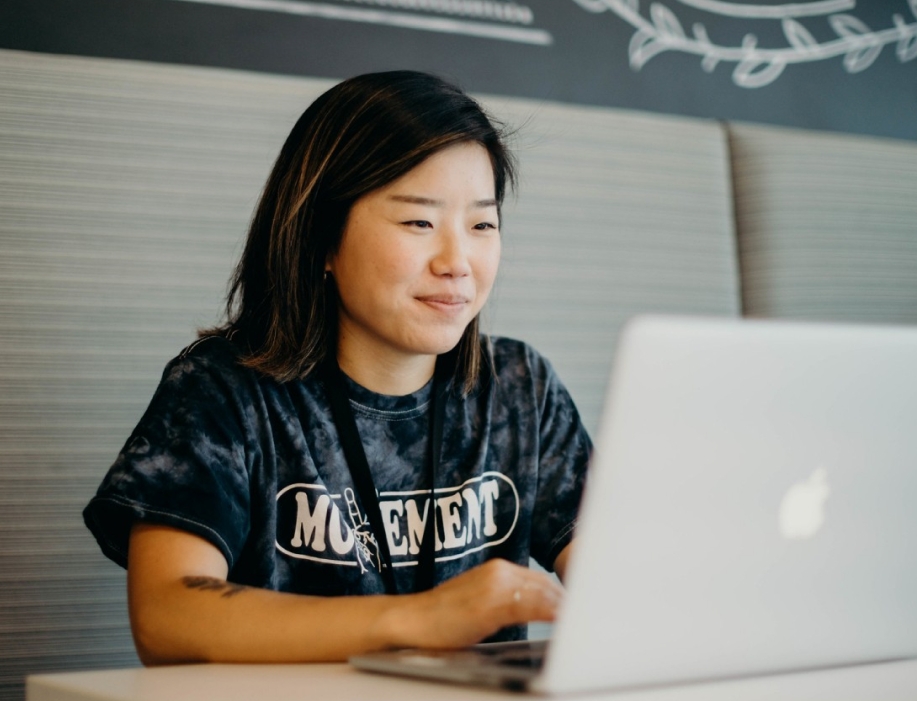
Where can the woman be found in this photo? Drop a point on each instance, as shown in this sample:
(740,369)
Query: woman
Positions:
(347,465)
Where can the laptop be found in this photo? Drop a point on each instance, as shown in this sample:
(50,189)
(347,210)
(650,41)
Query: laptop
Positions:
(751,508)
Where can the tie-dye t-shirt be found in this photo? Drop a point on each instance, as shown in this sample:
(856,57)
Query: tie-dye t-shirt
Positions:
(255,467)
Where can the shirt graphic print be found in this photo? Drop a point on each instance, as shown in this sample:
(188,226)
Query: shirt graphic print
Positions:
(313,524)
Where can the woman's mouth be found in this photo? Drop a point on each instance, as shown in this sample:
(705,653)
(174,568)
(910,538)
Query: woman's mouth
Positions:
(451,304)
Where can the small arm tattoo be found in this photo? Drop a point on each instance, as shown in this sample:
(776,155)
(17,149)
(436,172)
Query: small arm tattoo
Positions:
(227,589)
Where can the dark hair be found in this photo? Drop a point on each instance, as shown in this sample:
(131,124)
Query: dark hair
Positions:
(355,138)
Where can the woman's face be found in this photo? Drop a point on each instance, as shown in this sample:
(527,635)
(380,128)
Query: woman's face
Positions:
(418,258)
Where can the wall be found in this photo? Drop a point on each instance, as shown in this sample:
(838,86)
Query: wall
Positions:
(842,65)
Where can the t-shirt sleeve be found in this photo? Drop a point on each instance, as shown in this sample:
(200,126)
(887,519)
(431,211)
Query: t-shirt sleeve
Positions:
(564,450)
(186,463)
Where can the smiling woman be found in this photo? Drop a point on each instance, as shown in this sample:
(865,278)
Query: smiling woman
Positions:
(347,464)
(415,266)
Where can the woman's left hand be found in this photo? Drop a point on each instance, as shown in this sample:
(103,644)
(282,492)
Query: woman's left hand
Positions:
(475,604)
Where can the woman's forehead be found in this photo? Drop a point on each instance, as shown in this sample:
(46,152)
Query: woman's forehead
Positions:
(467,166)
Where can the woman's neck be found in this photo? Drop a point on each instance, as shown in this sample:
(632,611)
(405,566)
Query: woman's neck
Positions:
(391,374)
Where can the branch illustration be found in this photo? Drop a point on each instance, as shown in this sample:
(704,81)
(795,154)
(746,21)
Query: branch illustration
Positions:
(757,66)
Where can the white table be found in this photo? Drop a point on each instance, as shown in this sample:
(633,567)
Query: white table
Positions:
(339,682)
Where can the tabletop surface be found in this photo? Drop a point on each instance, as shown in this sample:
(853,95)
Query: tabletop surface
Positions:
(340,682)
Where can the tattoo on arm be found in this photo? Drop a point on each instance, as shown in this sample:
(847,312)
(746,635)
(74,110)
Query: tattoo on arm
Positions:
(226,589)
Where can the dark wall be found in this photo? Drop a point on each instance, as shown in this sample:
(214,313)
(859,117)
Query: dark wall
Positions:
(842,65)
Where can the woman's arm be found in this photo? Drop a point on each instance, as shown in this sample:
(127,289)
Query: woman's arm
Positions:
(182,609)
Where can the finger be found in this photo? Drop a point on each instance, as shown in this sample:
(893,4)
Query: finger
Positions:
(536,599)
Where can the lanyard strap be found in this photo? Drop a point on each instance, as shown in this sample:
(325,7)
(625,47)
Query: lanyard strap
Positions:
(355,455)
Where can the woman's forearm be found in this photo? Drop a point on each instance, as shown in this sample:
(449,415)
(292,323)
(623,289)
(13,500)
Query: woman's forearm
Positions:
(206,619)
(183,609)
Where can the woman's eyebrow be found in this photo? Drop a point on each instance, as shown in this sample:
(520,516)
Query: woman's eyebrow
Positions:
(416,199)
(430,202)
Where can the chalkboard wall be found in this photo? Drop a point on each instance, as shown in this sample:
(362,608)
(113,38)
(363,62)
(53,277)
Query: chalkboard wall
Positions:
(842,65)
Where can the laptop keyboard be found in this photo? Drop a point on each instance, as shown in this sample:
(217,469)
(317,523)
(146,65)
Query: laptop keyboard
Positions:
(526,654)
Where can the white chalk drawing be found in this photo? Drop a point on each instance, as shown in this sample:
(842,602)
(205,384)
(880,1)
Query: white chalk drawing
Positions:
(757,66)
(489,19)
(477,9)
(805,9)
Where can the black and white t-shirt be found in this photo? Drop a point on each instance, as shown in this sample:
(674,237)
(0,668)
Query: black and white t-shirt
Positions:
(255,466)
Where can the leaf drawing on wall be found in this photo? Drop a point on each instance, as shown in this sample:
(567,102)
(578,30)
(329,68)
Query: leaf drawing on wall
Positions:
(864,49)
(848,26)
(710,60)
(643,46)
(798,35)
(666,21)
(907,48)
(755,66)
(862,58)
(752,73)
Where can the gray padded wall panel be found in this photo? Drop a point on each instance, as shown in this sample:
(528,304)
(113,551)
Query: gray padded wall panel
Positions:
(125,191)
(827,225)
(618,213)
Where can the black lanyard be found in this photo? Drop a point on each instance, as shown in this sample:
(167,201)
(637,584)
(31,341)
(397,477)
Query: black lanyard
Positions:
(355,455)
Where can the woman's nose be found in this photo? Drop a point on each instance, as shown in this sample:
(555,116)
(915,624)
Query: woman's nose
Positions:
(451,258)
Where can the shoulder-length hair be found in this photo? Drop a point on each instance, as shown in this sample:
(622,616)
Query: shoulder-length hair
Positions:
(355,138)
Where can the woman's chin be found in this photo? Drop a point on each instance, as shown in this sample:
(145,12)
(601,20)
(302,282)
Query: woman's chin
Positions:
(437,345)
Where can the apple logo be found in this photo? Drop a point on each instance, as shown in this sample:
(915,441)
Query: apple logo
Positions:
(802,510)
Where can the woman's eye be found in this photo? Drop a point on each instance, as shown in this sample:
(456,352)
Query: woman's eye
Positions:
(419,223)
(484,226)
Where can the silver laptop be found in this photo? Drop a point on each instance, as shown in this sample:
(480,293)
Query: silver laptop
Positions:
(751,508)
